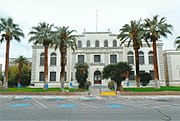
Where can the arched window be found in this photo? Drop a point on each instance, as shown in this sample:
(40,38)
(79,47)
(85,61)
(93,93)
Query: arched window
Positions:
(97,77)
(150,56)
(42,59)
(53,59)
(105,43)
(88,43)
(97,43)
(141,58)
(130,58)
(79,44)
(114,43)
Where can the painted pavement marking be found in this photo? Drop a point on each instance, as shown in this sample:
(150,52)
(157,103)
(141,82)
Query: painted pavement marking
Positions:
(116,106)
(22,97)
(39,103)
(87,98)
(20,105)
(66,105)
(82,103)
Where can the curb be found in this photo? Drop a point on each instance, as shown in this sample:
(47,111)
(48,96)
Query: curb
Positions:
(150,93)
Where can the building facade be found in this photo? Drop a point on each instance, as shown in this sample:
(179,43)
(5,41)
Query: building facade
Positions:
(98,49)
(172,67)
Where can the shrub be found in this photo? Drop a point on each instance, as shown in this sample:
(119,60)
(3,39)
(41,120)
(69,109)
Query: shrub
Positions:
(87,84)
(111,85)
(145,78)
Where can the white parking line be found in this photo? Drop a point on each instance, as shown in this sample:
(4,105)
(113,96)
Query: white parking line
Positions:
(39,103)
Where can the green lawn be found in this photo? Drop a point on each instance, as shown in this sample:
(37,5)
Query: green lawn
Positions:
(150,89)
(143,89)
(37,90)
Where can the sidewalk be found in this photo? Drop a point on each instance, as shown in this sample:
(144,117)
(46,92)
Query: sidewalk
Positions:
(94,92)
(150,93)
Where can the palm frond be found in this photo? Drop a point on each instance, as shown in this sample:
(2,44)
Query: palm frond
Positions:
(177,42)
(10,29)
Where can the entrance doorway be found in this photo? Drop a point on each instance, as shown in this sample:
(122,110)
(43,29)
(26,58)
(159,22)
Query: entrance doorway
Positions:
(97,77)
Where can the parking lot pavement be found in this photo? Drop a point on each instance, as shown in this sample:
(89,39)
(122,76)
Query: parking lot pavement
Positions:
(86,108)
(96,102)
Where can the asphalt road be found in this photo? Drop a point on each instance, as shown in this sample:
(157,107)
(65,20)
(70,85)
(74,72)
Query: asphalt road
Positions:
(57,108)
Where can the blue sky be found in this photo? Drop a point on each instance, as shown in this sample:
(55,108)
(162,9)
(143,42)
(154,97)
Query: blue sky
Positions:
(81,14)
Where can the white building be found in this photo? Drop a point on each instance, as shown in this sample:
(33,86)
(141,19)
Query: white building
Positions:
(172,67)
(98,49)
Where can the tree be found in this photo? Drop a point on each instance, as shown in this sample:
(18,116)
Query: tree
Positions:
(1,75)
(81,74)
(63,39)
(117,72)
(26,75)
(133,32)
(9,31)
(156,28)
(43,35)
(177,42)
(13,75)
(20,61)
(145,78)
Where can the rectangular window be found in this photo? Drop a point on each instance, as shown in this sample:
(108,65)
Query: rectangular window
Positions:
(150,59)
(41,61)
(97,58)
(131,75)
(113,59)
(152,73)
(141,60)
(53,61)
(80,58)
(130,60)
(41,76)
(52,76)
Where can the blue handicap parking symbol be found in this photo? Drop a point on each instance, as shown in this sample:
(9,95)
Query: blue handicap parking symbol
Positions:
(66,105)
(20,105)
(116,106)
(87,98)
(52,99)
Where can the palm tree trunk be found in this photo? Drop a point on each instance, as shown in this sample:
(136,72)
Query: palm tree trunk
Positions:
(45,67)
(6,64)
(156,74)
(62,74)
(63,63)
(19,67)
(137,67)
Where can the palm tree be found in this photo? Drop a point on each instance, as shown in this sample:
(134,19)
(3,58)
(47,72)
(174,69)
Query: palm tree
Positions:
(134,33)
(20,61)
(64,38)
(177,42)
(155,29)
(9,31)
(42,34)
